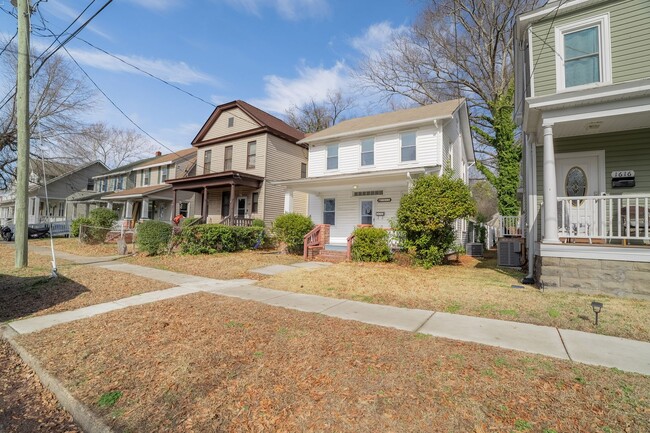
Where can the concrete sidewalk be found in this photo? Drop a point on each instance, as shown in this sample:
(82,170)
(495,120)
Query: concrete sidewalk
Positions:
(583,347)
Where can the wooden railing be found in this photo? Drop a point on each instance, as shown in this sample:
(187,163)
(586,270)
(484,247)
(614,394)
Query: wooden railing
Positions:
(510,226)
(237,221)
(348,251)
(620,217)
(311,239)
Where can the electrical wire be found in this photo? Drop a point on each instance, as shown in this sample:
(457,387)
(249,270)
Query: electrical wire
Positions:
(8,43)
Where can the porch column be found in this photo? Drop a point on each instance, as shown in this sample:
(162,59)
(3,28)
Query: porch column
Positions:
(288,201)
(128,210)
(87,205)
(144,213)
(204,207)
(231,213)
(173,211)
(110,205)
(550,188)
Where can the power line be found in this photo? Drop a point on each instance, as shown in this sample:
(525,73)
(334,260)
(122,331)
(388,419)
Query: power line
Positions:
(8,43)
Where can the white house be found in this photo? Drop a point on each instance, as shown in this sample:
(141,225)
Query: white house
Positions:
(359,169)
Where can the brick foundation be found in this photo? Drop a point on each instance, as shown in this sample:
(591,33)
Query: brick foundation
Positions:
(617,278)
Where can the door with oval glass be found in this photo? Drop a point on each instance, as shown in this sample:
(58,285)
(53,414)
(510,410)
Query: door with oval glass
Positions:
(578,177)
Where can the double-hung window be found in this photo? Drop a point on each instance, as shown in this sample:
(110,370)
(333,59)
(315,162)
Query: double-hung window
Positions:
(368,151)
(329,211)
(303,170)
(251,154)
(333,157)
(207,161)
(227,158)
(407,143)
(256,201)
(146,176)
(583,53)
(163,174)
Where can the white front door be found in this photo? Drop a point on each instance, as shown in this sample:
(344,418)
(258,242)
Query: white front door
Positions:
(579,175)
(366,211)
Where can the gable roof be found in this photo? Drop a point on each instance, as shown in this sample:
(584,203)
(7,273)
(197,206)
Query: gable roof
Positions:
(266,121)
(127,167)
(393,119)
(68,173)
(185,154)
(52,168)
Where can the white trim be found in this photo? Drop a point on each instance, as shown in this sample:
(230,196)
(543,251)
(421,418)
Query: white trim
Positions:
(415,134)
(531,65)
(611,253)
(604,47)
(371,199)
(246,212)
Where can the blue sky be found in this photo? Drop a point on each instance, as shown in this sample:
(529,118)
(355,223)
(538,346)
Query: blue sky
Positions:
(271,53)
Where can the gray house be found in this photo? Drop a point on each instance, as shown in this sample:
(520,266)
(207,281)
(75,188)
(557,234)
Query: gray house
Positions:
(583,104)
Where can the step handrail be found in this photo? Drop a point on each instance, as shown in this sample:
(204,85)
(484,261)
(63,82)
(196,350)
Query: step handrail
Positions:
(311,239)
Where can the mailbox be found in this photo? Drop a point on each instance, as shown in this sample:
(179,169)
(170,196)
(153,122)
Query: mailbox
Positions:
(623,179)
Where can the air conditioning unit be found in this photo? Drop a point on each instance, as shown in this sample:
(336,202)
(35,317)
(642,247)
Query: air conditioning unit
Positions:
(509,252)
(474,249)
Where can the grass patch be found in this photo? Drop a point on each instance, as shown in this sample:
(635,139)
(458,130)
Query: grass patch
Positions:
(109,399)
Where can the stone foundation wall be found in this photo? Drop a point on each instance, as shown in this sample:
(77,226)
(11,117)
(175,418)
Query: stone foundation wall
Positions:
(616,278)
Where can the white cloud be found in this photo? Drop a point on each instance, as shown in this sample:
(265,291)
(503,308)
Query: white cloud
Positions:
(288,9)
(157,5)
(61,11)
(311,83)
(169,70)
(376,38)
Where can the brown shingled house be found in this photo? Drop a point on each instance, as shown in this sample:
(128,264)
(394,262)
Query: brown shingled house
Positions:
(239,149)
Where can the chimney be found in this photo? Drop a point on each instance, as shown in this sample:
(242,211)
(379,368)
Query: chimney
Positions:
(158,153)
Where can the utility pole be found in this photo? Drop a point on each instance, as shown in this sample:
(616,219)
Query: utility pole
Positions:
(22,126)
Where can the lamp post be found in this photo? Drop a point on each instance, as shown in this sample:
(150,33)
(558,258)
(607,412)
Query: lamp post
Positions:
(596,306)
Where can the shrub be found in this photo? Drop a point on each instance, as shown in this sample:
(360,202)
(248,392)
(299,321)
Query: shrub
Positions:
(153,236)
(103,217)
(290,229)
(259,223)
(189,221)
(426,215)
(214,238)
(77,223)
(370,245)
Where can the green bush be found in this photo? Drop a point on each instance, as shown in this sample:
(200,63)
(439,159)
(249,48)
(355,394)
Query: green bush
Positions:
(370,245)
(153,237)
(290,229)
(78,222)
(258,223)
(214,238)
(103,217)
(426,215)
(185,222)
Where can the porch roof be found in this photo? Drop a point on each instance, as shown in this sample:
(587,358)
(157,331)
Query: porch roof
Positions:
(139,192)
(382,179)
(215,180)
(81,196)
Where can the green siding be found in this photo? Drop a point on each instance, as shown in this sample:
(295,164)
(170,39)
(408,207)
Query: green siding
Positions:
(630,32)
(623,151)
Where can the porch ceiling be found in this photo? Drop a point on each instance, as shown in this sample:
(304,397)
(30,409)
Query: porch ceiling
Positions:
(602,124)
(215,180)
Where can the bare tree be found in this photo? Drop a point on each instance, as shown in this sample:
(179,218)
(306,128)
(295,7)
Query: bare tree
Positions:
(462,48)
(58,98)
(110,145)
(485,197)
(315,116)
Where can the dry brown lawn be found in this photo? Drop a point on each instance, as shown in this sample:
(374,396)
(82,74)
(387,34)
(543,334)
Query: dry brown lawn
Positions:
(204,363)
(472,287)
(73,246)
(30,291)
(219,266)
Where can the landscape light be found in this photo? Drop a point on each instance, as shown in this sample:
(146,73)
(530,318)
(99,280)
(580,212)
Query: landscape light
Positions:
(596,306)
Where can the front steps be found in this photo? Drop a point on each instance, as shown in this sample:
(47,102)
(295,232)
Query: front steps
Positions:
(332,253)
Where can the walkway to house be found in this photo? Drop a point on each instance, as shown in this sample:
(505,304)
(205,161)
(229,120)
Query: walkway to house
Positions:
(583,347)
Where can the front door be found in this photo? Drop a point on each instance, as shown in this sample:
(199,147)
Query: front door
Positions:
(241,207)
(366,211)
(579,175)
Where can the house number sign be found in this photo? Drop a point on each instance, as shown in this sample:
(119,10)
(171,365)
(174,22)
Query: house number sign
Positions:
(622,173)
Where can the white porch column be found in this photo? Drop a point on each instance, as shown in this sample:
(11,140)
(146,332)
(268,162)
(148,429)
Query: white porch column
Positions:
(288,201)
(110,205)
(550,188)
(128,210)
(35,212)
(144,214)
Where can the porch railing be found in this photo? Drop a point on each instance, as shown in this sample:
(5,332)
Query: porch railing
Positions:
(609,217)
(237,221)
(510,226)
(312,239)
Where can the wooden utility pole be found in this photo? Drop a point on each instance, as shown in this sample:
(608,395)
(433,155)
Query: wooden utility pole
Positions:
(22,126)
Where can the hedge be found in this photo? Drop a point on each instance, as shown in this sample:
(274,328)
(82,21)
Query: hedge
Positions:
(291,229)
(215,238)
(153,237)
(370,245)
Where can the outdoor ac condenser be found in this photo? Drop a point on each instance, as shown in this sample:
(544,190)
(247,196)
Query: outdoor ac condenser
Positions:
(474,249)
(509,252)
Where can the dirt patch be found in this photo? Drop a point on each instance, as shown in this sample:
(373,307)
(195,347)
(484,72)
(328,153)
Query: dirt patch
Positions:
(472,287)
(219,266)
(30,291)
(73,246)
(204,363)
(25,405)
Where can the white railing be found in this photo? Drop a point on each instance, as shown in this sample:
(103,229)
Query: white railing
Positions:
(509,226)
(622,217)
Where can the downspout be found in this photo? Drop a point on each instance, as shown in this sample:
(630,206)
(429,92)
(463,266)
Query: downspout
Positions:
(530,210)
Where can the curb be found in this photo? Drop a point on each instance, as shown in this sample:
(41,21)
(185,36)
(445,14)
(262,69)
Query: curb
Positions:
(85,419)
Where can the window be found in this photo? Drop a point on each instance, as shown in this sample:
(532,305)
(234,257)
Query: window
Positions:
(146,177)
(227,158)
(368,151)
(105,185)
(120,182)
(583,57)
(250,155)
(61,209)
(333,157)
(231,122)
(183,209)
(408,146)
(256,199)
(225,204)
(329,211)
(163,174)
(207,161)
(303,170)
(90,186)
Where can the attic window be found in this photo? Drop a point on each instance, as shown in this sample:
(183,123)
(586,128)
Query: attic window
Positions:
(231,122)
(367,193)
